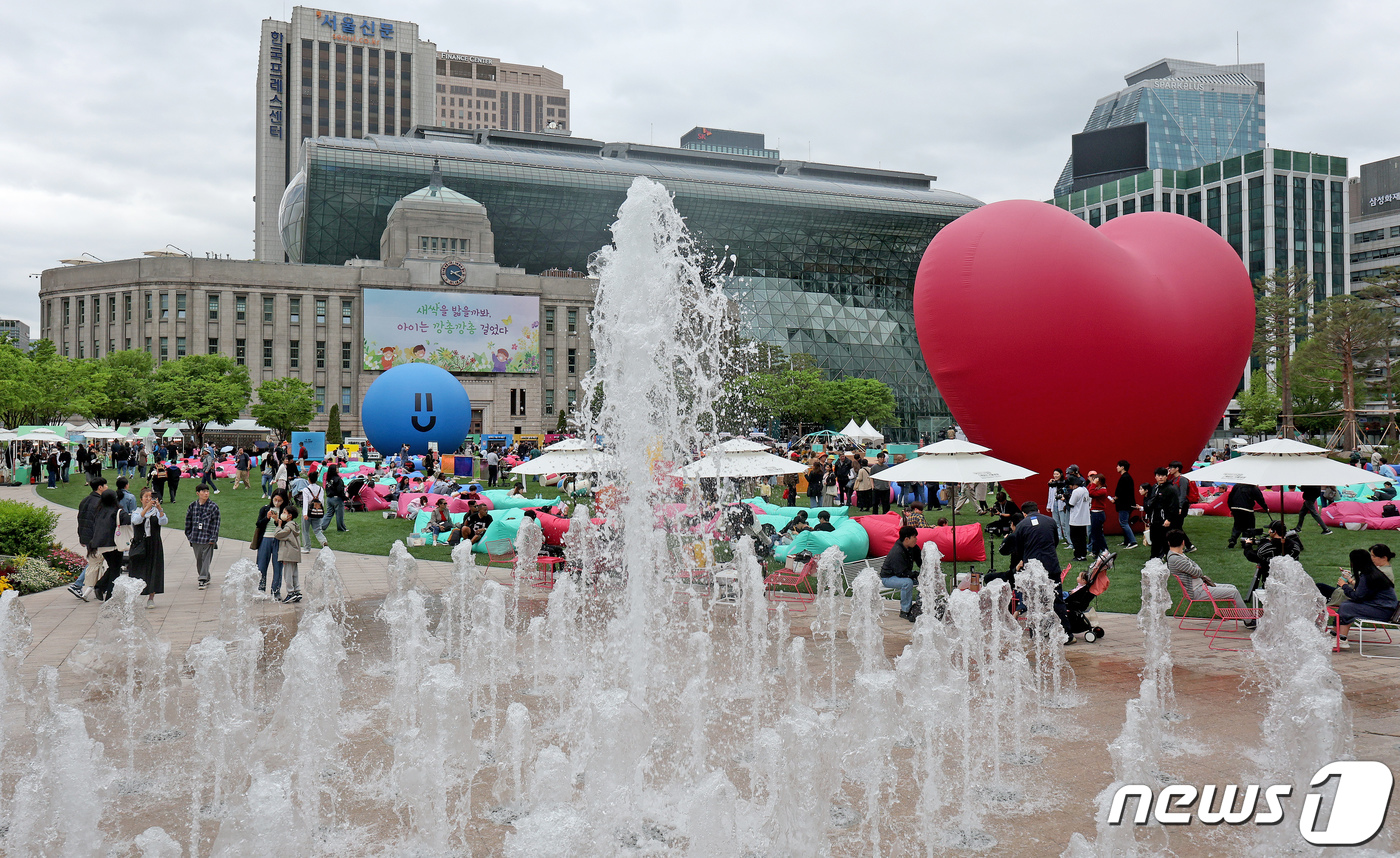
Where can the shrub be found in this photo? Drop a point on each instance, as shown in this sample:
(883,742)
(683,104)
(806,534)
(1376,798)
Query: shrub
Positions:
(65,561)
(32,575)
(25,528)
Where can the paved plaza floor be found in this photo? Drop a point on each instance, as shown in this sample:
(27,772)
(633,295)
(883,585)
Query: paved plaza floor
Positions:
(1216,690)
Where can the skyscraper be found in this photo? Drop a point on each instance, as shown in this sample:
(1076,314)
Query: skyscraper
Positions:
(1174,115)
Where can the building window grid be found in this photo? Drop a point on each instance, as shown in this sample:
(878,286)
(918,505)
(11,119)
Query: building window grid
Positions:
(240,351)
(345,356)
(320,311)
(180,301)
(294,311)
(213,308)
(1234,217)
(346,311)
(294,354)
(240,308)
(549,361)
(179,347)
(213,345)
(267,354)
(269,309)
(165,305)
(345,400)
(320,354)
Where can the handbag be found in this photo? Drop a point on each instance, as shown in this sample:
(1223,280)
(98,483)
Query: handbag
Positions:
(257,538)
(138,545)
(123,537)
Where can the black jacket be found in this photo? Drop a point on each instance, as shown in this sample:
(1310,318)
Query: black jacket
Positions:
(87,517)
(900,562)
(1243,497)
(1035,538)
(1264,550)
(1162,505)
(1125,495)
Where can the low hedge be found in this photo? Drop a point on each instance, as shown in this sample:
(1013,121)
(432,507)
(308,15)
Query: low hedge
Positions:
(26,529)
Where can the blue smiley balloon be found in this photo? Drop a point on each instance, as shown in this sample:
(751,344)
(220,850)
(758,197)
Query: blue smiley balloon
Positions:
(413,404)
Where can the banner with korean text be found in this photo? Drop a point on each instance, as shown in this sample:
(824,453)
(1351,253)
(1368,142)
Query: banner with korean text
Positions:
(457,331)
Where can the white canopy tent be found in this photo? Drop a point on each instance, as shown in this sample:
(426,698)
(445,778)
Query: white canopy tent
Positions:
(570,456)
(739,458)
(870,433)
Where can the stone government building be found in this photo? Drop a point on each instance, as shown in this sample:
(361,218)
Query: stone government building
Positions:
(825,258)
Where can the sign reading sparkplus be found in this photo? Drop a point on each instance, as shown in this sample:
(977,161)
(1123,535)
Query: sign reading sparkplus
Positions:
(275,53)
(346,28)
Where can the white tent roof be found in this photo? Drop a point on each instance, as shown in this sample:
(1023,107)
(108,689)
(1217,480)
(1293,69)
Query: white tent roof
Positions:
(870,432)
(852,430)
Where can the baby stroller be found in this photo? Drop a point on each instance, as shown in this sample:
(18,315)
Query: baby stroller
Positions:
(352,495)
(1078,604)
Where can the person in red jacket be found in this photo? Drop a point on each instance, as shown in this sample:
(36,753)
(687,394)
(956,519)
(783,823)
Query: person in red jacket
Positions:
(1098,511)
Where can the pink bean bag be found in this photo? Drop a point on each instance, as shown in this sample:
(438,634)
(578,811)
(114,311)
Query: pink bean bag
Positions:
(884,532)
(429,502)
(372,499)
(1213,506)
(1369,513)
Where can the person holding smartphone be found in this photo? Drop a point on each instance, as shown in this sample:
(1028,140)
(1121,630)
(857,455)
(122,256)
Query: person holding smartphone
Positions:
(147,548)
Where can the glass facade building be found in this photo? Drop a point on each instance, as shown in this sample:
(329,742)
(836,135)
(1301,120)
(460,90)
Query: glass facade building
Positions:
(823,256)
(1195,113)
(1278,209)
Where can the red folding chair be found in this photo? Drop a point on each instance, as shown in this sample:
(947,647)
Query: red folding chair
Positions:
(1183,607)
(803,584)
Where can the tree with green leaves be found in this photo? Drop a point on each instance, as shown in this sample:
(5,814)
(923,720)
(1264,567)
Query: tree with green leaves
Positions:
(199,390)
(333,433)
(1317,386)
(1350,335)
(40,387)
(860,399)
(1259,406)
(1384,290)
(1280,305)
(285,405)
(119,388)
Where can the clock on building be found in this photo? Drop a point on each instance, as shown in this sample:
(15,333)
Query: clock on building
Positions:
(453,273)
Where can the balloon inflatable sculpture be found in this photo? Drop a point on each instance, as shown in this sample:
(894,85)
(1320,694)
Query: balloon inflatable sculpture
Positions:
(1055,343)
(413,404)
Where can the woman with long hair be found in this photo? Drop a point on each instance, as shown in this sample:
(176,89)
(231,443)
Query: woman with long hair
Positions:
(147,548)
(1370,595)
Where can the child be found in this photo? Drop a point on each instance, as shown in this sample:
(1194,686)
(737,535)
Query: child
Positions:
(288,538)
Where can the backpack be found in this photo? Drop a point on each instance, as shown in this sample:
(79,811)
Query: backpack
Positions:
(316,509)
(1193,492)
(1389,511)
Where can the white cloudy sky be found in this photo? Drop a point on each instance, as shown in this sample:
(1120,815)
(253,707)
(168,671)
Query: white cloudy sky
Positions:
(130,126)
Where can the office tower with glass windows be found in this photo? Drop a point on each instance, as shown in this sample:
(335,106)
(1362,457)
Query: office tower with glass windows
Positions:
(1173,115)
(331,74)
(483,92)
(1375,220)
(1278,209)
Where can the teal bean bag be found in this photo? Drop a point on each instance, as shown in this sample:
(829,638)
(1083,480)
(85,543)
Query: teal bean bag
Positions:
(849,536)
(501,499)
(504,525)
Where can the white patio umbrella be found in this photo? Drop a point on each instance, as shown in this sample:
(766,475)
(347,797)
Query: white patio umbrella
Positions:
(739,457)
(570,456)
(44,435)
(954,461)
(1284,462)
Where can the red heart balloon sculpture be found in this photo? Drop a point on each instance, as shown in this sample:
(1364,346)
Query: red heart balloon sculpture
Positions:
(1055,343)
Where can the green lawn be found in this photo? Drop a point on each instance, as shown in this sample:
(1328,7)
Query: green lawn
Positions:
(371,533)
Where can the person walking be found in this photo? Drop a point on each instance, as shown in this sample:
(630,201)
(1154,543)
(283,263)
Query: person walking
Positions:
(143,460)
(81,456)
(147,547)
(202,530)
(864,485)
(844,479)
(108,518)
(267,545)
(120,458)
(267,464)
(493,467)
(289,551)
(87,520)
(335,497)
(172,477)
(313,505)
(1124,502)
(1242,501)
(1310,497)
(790,489)
(241,465)
(207,465)
(158,479)
(879,489)
(816,479)
(51,464)
(65,461)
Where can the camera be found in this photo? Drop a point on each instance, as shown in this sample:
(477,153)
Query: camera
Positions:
(1253,533)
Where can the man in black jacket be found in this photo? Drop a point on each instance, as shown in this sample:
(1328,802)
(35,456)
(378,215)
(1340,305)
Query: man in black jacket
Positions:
(1178,481)
(1124,500)
(1163,511)
(1242,501)
(898,569)
(1311,494)
(1281,542)
(87,517)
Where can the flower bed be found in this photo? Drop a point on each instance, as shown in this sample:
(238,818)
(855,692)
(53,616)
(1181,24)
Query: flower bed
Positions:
(32,575)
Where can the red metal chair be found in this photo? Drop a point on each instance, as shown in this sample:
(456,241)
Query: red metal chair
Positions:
(1183,607)
(1233,615)
(803,584)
